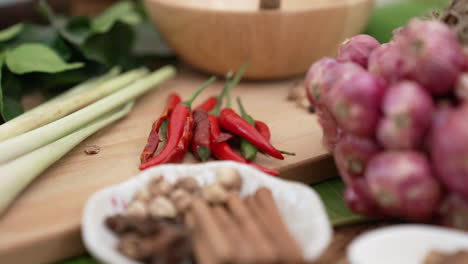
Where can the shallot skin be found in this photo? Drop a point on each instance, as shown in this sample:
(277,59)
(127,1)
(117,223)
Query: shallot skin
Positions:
(454,212)
(432,55)
(449,149)
(395,118)
(355,103)
(439,118)
(357,49)
(461,88)
(352,155)
(331,132)
(325,74)
(386,61)
(403,184)
(407,111)
(317,79)
(358,198)
(465,58)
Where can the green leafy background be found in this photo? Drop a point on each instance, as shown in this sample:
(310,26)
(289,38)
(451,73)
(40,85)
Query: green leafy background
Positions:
(54,57)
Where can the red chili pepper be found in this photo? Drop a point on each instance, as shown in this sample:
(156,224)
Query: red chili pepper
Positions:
(263,129)
(153,138)
(224,137)
(234,123)
(201,135)
(222,150)
(208,105)
(266,170)
(179,132)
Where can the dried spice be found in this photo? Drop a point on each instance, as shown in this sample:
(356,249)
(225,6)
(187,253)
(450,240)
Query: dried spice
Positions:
(92,150)
(213,221)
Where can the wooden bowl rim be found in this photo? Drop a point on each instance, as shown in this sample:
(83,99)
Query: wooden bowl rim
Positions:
(256,11)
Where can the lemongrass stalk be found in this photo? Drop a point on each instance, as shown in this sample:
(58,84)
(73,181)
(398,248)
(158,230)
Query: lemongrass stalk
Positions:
(27,142)
(78,89)
(53,103)
(66,105)
(17,174)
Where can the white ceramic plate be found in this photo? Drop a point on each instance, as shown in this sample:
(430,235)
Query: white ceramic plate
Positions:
(306,216)
(405,244)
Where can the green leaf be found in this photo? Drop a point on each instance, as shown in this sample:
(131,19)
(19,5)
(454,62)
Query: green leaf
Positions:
(331,193)
(34,57)
(123,11)
(11,32)
(132,18)
(112,48)
(11,108)
(386,18)
(10,94)
(2,58)
(35,33)
(75,30)
(148,41)
(62,48)
(12,85)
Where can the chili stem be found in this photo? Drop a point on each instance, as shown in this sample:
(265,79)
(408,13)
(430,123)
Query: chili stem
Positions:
(163,129)
(287,153)
(217,108)
(248,150)
(234,82)
(189,102)
(241,107)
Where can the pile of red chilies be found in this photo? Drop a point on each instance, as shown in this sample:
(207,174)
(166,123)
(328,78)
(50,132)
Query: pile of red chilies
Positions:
(201,131)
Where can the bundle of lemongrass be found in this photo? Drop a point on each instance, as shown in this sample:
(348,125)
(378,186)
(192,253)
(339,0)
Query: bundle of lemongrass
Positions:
(33,141)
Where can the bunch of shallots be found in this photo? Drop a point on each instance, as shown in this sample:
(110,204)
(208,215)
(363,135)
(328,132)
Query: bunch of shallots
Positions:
(395,117)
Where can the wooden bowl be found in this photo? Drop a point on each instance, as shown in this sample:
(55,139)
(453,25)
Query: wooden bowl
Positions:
(216,36)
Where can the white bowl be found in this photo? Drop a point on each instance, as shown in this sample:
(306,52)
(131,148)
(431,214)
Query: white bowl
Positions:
(405,244)
(306,216)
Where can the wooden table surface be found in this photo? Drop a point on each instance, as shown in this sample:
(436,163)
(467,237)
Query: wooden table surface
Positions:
(336,252)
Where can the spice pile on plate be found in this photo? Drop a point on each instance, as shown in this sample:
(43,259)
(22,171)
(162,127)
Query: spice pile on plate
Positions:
(171,222)
(206,130)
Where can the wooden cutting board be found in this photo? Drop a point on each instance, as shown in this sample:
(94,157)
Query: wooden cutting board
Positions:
(43,225)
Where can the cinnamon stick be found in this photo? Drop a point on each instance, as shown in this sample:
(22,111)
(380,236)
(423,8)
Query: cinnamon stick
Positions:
(200,246)
(272,221)
(213,233)
(263,247)
(264,224)
(243,247)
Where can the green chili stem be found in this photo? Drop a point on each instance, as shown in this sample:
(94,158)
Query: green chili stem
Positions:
(234,82)
(189,102)
(248,150)
(241,107)
(217,108)
(287,153)
(164,129)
